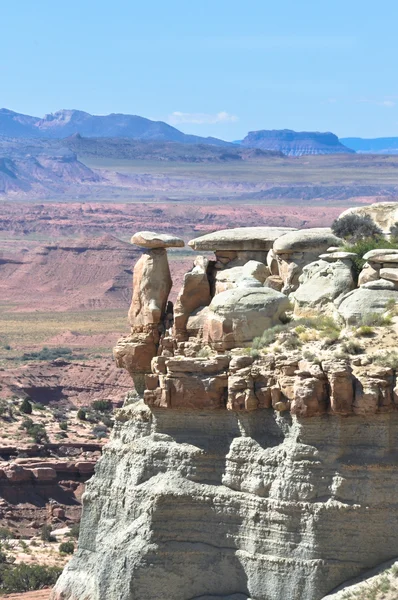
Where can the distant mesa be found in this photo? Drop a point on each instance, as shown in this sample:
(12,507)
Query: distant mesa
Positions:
(295,143)
(388,145)
(65,123)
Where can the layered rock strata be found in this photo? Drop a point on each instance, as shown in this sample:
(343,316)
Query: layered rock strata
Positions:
(239,473)
(217,504)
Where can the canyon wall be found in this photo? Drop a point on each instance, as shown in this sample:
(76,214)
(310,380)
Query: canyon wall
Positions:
(217,504)
(257,459)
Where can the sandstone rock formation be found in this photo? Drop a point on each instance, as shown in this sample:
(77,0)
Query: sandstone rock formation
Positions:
(236,316)
(296,249)
(151,288)
(322,283)
(257,461)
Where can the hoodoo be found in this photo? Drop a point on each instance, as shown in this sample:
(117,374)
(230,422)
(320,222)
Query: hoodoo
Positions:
(257,457)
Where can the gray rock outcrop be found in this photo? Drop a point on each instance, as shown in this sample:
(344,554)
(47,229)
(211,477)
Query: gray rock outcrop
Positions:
(296,249)
(320,284)
(259,505)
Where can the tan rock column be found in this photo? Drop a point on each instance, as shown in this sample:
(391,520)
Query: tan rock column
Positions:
(151,287)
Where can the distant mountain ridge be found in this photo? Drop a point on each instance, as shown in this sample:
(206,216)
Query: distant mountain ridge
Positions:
(295,143)
(385,145)
(65,123)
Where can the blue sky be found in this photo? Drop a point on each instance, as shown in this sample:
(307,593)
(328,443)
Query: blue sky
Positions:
(210,67)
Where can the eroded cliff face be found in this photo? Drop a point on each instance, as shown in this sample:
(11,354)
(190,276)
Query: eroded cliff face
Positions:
(259,468)
(216,504)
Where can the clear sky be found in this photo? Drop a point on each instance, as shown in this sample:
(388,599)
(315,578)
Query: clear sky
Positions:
(210,67)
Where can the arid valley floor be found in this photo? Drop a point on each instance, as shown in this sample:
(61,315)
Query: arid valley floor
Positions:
(65,287)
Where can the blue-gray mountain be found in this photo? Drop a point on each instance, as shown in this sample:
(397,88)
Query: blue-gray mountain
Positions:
(295,143)
(387,145)
(64,123)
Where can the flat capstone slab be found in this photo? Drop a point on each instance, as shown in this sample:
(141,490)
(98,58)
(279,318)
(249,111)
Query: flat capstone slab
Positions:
(378,252)
(150,239)
(338,256)
(306,240)
(383,258)
(241,238)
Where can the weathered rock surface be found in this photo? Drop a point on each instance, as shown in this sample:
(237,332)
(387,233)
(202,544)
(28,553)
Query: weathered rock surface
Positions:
(242,238)
(195,293)
(222,505)
(150,239)
(296,249)
(364,300)
(320,284)
(238,315)
(151,288)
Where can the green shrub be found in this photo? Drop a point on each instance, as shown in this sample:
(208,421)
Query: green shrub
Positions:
(38,434)
(387,359)
(47,354)
(102,405)
(21,578)
(36,431)
(326,326)
(107,421)
(5,533)
(355,227)
(361,247)
(351,347)
(205,352)
(364,331)
(81,414)
(63,425)
(26,407)
(75,530)
(67,548)
(46,535)
(100,431)
(375,320)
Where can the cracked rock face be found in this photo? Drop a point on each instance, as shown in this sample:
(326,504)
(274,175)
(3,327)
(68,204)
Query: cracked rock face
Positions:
(257,505)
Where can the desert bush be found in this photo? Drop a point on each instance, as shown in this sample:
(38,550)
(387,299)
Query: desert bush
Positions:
(102,405)
(81,414)
(355,227)
(21,578)
(47,354)
(26,407)
(67,548)
(351,347)
(36,431)
(311,357)
(361,247)
(3,408)
(205,352)
(63,425)
(100,431)
(375,320)
(364,331)
(75,530)
(387,359)
(59,415)
(46,535)
(326,326)
(107,421)
(292,343)
(5,533)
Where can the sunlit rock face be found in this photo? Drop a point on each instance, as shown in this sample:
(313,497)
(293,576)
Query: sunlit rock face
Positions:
(250,463)
(219,504)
